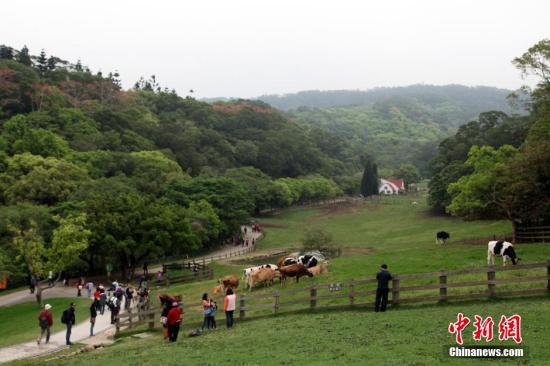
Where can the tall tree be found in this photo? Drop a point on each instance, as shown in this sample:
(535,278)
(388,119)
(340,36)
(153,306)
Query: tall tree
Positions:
(369,182)
(6,52)
(23,57)
(42,62)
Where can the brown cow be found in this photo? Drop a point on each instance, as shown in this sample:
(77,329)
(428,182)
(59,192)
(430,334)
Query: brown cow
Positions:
(264,275)
(225,283)
(287,260)
(294,270)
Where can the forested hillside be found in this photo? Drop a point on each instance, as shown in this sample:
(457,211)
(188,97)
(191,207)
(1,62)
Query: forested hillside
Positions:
(397,125)
(498,166)
(91,173)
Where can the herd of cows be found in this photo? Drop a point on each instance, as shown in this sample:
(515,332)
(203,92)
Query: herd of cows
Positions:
(295,266)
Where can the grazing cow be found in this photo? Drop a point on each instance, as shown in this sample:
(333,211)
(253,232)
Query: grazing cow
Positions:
(225,283)
(248,271)
(287,261)
(441,237)
(264,275)
(308,260)
(503,249)
(321,268)
(294,270)
(167,298)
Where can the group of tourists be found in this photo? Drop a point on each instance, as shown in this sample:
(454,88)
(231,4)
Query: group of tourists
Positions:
(113,298)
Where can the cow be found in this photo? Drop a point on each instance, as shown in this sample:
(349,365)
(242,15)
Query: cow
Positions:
(308,260)
(321,268)
(294,270)
(287,261)
(264,275)
(226,282)
(441,237)
(248,271)
(503,249)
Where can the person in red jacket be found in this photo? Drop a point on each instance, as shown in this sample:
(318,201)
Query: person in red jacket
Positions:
(45,320)
(173,321)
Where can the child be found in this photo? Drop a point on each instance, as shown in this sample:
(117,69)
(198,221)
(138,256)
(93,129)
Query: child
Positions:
(213,309)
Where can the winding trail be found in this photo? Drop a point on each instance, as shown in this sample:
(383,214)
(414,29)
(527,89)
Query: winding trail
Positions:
(103,329)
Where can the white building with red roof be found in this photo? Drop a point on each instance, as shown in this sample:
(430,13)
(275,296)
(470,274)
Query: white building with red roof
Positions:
(391,186)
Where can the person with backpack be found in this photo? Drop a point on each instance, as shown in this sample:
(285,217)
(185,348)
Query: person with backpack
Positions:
(229,307)
(68,318)
(45,321)
(129,294)
(114,306)
(93,315)
(173,321)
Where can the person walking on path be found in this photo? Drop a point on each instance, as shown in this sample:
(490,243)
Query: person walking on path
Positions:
(50,278)
(207,310)
(89,288)
(93,315)
(68,318)
(102,300)
(145,269)
(114,306)
(32,284)
(79,287)
(383,277)
(45,320)
(229,307)
(174,320)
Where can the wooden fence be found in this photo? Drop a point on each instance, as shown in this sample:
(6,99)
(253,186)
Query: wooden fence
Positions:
(360,293)
(533,234)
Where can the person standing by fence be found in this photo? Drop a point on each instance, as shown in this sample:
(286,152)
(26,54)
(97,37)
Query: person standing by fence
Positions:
(174,320)
(383,277)
(45,320)
(229,307)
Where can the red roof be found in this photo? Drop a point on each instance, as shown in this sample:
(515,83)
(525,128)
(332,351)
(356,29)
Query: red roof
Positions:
(398,182)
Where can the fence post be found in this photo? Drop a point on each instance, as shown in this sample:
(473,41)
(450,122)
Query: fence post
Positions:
(443,287)
(130,317)
(351,293)
(242,311)
(151,319)
(117,325)
(548,273)
(491,277)
(395,291)
(276,302)
(313,297)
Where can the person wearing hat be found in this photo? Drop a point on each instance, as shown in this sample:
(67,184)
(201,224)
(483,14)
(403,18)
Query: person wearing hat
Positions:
(173,321)
(383,277)
(45,321)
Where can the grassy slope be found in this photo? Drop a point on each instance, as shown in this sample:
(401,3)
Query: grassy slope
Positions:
(409,336)
(401,236)
(19,323)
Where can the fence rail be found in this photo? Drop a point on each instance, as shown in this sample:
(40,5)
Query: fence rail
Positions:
(533,234)
(356,293)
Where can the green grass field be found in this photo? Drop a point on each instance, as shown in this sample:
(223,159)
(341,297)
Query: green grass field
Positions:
(19,323)
(408,336)
(392,231)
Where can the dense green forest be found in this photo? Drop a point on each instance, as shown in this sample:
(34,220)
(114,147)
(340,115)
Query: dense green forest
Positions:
(498,166)
(91,173)
(397,125)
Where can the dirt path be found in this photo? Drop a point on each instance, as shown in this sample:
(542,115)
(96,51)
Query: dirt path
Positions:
(22,296)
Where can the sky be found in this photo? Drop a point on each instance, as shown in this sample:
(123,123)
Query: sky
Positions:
(242,48)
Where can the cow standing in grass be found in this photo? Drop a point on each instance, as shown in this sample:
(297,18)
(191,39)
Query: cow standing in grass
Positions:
(441,237)
(502,249)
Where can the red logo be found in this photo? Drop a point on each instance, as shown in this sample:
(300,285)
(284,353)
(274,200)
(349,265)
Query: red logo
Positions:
(508,328)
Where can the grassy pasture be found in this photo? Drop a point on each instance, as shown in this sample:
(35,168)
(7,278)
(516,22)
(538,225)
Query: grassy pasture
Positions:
(409,336)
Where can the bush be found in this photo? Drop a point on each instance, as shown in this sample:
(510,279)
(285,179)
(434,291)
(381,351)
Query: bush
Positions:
(321,240)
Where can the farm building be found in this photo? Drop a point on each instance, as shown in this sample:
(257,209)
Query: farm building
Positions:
(391,186)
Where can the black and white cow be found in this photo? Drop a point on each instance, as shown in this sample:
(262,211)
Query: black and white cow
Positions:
(441,237)
(503,249)
(308,260)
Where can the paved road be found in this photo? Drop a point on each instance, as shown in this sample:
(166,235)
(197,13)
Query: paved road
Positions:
(25,295)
